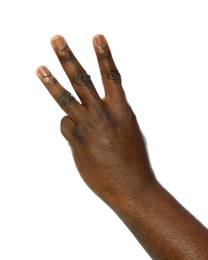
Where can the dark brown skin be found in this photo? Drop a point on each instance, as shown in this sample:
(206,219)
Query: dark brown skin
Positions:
(110,154)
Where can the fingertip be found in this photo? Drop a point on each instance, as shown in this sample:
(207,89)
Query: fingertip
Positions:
(58,42)
(100,41)
(43,72)
(56,36)
(97,35)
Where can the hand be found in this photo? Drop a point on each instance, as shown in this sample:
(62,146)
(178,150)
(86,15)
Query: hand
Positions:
(106,142)
(110,154)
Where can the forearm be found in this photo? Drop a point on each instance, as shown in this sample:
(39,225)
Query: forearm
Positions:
(164,228)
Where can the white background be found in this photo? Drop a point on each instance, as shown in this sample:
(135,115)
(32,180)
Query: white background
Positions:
(161,50)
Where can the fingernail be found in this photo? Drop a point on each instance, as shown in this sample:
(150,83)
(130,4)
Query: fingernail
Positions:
(43,72)
(59,42)
(100,41)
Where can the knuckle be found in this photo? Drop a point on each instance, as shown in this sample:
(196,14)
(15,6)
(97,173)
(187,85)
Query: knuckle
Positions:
(66,98)
(67,56)
(105,117)
(112,75)
(129,114)
(82,78)
(104,55)
(51,82)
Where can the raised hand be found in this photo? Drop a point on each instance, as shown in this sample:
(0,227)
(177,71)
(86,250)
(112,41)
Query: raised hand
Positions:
(104,135)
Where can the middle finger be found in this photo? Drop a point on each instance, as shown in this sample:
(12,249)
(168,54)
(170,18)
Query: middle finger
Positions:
(78,77)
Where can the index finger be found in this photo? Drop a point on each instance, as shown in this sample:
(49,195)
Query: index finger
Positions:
(63,97)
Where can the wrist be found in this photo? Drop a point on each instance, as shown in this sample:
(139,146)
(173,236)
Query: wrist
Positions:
(132,198)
